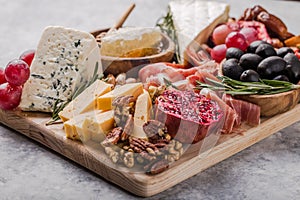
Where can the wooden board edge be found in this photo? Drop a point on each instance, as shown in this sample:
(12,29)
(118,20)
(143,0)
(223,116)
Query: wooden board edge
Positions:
(70,149)
(141,184)
(222,151)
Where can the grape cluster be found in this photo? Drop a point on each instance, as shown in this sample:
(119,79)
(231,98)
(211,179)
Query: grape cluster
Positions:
(12,79)
(226,36)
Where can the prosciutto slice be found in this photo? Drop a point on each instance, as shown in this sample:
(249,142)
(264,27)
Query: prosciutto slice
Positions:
(230,115)
(156,74)
(247,112)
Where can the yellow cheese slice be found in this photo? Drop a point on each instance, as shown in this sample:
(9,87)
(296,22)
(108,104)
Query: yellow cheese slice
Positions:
(96,127)
(86,101)
(72,126)
(142,114)
(104,102)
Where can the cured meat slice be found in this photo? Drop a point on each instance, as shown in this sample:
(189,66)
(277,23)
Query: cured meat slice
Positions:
(155,74)
(230,115)
(247,112)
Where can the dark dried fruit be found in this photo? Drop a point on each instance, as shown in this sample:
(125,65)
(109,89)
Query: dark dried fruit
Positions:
(265,50)
(253,46)
(156,132)
(153,127)
(251,13)
(113,136)
(232,69)
(250,76)
(234,52)
(274,25)
(283,51)
(250,61)
(123,108)
(271,67)
(157,167)
(128,128)
(187,115)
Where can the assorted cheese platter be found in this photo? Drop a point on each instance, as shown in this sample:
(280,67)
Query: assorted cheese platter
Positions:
(141,106)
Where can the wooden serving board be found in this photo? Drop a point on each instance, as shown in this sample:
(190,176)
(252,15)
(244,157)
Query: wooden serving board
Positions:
(33,126)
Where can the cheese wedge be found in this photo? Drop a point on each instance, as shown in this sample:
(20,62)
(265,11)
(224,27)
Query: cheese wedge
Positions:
(96,127)
(195,20)
(65,59)
(86,101)
(104,102)
(142,114)
(73,126)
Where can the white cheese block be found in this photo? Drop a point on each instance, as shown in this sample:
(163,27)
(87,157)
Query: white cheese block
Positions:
(143,109)
(86,101)
(194,21)
(65,59)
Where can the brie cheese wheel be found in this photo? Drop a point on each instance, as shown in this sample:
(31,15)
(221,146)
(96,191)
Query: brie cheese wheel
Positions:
(65,59)
(121,42)
(195,20)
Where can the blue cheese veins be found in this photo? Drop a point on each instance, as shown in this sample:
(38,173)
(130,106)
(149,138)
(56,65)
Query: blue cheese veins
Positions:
(65,59)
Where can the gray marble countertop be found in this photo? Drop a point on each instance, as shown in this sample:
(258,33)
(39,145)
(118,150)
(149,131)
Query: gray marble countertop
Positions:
(269,169)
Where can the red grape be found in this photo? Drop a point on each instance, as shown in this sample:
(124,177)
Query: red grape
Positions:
(10,96)
(17,72)
(28,56)
(234,26)
(2,77)
(250,34)
(236,39)
(220,33)
(218,53)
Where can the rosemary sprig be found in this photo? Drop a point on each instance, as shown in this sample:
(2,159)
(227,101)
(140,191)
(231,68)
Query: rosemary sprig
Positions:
(234,87)
(170,84)
(59,104)
(166,26)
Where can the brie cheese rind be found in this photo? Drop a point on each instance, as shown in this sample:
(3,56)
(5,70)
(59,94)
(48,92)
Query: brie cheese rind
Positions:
(195,20)
(64,60)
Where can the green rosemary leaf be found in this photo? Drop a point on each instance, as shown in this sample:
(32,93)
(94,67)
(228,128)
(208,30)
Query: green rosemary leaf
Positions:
(234,87)
(166,26)
(169,84)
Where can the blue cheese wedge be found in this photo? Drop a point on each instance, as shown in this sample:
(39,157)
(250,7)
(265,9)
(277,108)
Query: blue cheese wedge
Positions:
(65,59)
(195,20)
